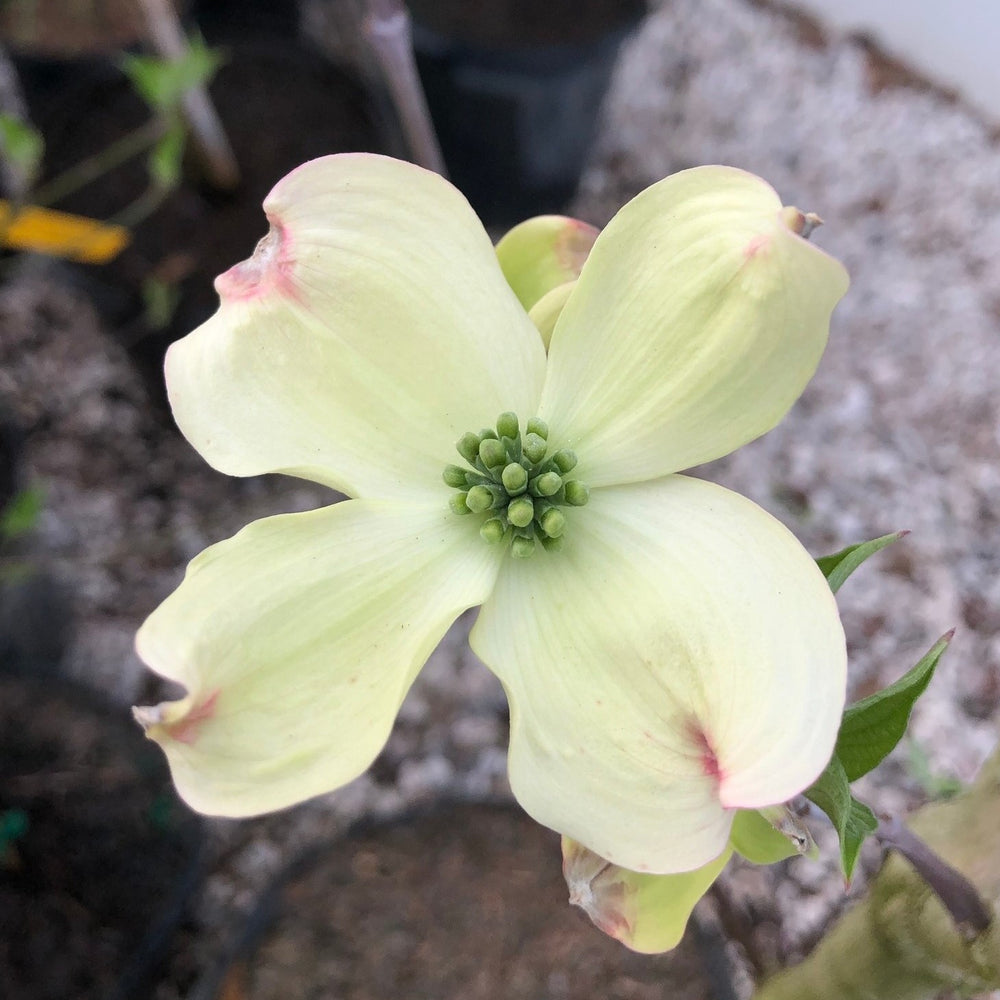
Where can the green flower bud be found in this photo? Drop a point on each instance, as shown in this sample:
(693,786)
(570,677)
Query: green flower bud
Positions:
(577,493)
(478,499)
(492,530)
(564,460)
(492,453)
(468,446)
(514,478)
(521,512)
(458,503)
(507,425)
(522,546)
(547,484)
(553,522)
(538,427)
(454,475)
(534,447)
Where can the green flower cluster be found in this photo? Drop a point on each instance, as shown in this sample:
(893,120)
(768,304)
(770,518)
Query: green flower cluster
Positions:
(516,482)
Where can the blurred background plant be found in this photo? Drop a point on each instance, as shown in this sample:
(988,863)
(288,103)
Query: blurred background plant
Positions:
(165,84)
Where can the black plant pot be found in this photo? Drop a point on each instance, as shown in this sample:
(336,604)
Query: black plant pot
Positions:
(456,901)
(516,112)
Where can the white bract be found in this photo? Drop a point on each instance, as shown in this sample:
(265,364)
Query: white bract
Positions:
(679,657)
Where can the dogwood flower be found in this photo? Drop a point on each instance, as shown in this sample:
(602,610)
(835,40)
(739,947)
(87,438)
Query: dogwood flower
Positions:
(670,652)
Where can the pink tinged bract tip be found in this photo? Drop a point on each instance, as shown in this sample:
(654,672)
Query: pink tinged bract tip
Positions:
(156,718)
(574,244)
(186,730)
(268,269)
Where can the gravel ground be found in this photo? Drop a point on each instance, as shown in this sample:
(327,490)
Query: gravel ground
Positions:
(898,430)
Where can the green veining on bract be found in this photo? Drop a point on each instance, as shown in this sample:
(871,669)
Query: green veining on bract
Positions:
(516,484)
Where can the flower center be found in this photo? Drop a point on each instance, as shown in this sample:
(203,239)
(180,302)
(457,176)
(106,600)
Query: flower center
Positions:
(516,484)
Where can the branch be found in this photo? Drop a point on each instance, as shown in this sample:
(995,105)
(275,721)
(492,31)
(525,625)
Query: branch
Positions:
(387,28)
(956,892)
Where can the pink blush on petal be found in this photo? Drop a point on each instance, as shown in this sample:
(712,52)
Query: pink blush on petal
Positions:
(186,729)
(755,246)
(268,269)
(710,765)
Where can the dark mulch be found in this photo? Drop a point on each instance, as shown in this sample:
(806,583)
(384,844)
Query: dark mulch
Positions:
(98,858)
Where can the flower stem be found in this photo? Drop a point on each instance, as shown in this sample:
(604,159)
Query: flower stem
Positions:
(88,170)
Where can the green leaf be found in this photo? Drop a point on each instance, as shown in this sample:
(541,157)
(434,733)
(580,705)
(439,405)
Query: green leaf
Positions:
(21,514)
(166,156)
(160,299)
(161,83)
(838,567)
(872,727)
(22,145)
(754,837)
(853,820)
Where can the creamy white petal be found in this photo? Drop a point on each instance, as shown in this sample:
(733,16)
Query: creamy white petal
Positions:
(371,329)
(696,322)
(297,640)
(680,657)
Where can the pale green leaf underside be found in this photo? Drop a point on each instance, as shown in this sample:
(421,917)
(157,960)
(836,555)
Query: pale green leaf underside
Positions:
(852,820)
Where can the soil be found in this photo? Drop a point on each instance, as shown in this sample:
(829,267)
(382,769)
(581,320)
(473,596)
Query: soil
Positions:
(463,903)
(101,858)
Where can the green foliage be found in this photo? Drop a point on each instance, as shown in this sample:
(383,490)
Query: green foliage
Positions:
(166,156)
(756,838)
(22,145)
(872,727)
(838,567)
(163,82)
(160,299)
(21,514)
(869,730)
(853,820)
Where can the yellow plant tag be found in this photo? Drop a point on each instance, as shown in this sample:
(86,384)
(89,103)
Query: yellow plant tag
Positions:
(58,234)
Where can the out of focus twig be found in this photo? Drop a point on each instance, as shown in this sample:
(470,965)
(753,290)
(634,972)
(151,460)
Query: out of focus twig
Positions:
(207,135)
(957,893)
(386,27)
